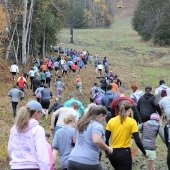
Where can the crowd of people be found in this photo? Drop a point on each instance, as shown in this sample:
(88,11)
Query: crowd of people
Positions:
(107,125)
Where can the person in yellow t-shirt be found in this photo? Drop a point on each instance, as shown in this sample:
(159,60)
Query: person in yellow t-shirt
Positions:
(121,128)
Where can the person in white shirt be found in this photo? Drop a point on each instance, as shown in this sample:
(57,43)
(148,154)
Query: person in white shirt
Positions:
(100,69)
(14,70)
(61,114)
(31,75)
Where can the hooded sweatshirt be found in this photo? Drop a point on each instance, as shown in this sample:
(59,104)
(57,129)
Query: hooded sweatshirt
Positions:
(159,90)
(146,105)
(108,97)
(28,149)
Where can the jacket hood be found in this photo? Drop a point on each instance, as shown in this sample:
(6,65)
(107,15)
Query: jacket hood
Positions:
(32,123)
(109,94)
(148,95)
(164,86)
(153,122)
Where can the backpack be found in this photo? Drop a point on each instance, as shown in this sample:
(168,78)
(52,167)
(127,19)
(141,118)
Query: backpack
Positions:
(98,98)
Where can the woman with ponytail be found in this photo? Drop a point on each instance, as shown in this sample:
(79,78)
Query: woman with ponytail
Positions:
(27,148)
(121,128)
(90,140)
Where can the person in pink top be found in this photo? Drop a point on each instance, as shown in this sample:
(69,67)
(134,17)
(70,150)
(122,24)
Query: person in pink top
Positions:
(27,147)
(50,152)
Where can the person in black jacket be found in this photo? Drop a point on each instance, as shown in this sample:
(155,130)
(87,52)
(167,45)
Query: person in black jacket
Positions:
(57,105)
(146,105)
(167,141)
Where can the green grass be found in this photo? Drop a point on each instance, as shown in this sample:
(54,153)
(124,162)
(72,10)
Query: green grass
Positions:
(134,60)
(129,57)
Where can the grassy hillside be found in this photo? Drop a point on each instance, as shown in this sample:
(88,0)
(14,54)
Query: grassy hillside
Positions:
(132,59)
(129,56)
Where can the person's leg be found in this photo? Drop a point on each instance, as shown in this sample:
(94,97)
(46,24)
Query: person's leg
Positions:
(168,159)
(113,159)
(14,107)
(150,165)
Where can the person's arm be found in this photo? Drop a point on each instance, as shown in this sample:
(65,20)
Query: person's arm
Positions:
(42,154)
(136,114)
(138,142)
(97,140)
(107,136)
(140,127)
(54,114)
(161,133)
(166,135)
(51,108)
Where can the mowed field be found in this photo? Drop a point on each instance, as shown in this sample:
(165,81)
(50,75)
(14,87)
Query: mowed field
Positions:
(133,60)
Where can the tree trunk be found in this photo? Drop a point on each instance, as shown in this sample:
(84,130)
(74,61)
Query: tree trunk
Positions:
(10,43)
(26,26)
(43,45)
(24,36)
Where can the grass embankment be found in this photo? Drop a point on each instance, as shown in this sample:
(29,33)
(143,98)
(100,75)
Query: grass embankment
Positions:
(132,59)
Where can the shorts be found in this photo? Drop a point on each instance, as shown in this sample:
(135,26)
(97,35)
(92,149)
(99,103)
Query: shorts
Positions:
(45,104)
(13,73)
(151,154)
(56,68)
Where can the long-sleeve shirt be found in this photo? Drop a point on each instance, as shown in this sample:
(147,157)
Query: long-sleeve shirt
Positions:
(15,94)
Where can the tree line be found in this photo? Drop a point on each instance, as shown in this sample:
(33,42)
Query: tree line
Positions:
(152,21)
(32,25)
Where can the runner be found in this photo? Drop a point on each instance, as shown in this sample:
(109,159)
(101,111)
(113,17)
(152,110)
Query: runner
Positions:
(16,95)
(14,70)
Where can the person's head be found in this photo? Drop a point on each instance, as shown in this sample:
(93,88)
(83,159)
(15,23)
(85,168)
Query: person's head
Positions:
(47,135)
(155,117)
(134,87)
(95,113)
(148,89)
(124,109)
(45,86)
(95,84)
(161,82)
(75,106)
(109,87)
(15,86)
(70,119)
(92,100)
(15,62)
(33,109)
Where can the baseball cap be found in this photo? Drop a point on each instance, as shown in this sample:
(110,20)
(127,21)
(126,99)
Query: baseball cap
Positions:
(34,105)
(155,116)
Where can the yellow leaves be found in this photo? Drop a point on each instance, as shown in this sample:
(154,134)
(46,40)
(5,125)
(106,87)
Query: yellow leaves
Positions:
(3,19)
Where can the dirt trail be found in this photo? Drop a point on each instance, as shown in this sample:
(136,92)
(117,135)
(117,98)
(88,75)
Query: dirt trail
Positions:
(127,9)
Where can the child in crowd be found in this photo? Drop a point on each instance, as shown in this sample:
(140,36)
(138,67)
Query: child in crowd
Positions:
(149,130)
(78,84)
(47,135)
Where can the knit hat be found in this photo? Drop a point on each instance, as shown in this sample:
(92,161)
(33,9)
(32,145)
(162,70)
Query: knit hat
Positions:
(155,116)
(34,105)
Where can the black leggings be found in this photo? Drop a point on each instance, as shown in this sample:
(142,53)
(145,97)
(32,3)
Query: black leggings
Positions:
(78,166)
(14,107)
(121,159)
(168,159)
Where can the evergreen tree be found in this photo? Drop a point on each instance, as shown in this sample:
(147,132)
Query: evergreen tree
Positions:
(146,17)
(162,29)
